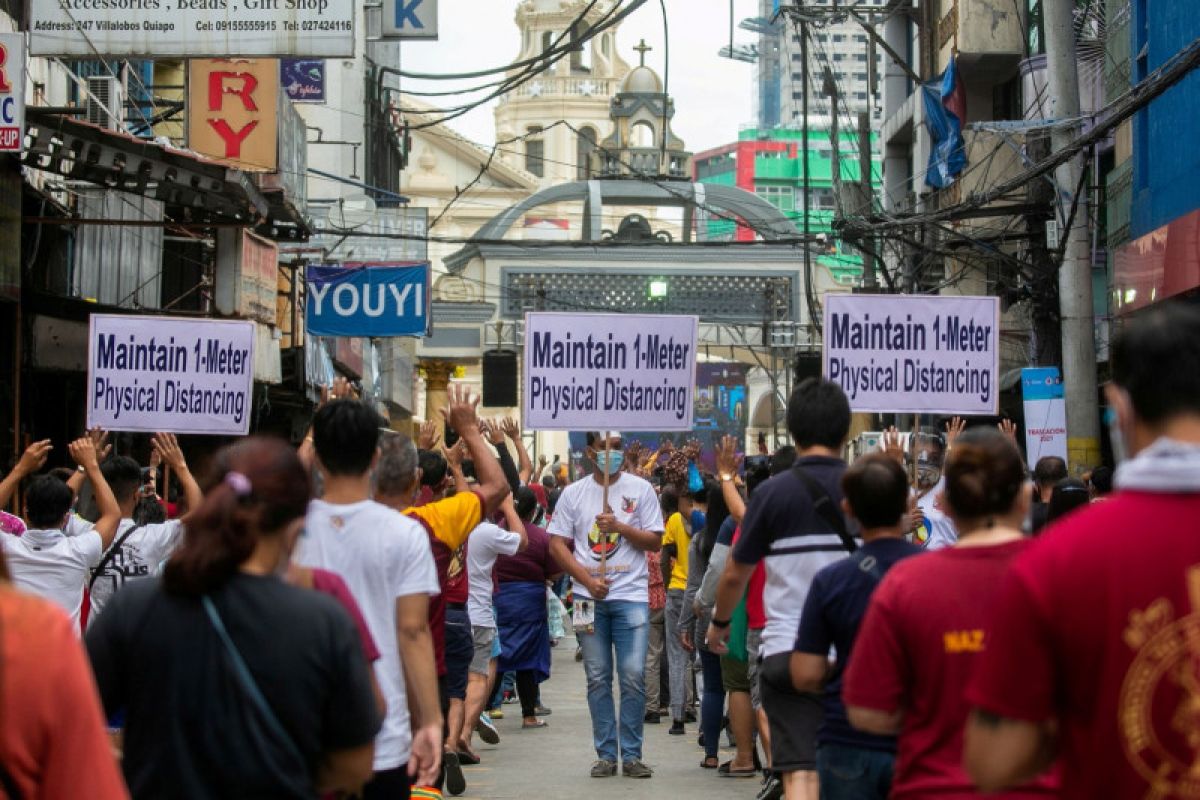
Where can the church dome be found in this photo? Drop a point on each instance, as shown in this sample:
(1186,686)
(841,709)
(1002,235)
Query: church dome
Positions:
(642,80)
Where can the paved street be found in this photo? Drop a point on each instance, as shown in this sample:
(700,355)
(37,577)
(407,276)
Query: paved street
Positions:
(553,762)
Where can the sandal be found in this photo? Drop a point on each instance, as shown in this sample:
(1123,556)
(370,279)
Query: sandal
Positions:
(726,770)
(541,723)
(467,757)
(711,762)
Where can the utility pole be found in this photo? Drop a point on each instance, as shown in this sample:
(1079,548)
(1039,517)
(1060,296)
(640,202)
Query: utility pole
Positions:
(804,158)
(866,203)
(1075,274)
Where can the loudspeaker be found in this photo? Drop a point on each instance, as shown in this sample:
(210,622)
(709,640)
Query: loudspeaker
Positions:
(806,365)
(500,378)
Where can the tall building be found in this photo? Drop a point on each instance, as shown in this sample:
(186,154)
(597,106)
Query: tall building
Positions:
(769,163)
(837,44)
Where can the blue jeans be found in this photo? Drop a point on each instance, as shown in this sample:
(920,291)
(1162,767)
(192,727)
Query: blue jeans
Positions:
(712,703)
(854,773)
(623,626)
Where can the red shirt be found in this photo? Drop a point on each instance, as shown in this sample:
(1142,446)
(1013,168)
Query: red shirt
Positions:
(756,612)
(1098,625)
(923,633)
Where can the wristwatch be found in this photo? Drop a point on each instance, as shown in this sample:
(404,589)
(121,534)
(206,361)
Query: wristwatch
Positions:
(720,623)
(725,476)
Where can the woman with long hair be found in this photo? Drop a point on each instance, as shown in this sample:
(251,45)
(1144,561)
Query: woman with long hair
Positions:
(235,683)
(929,619)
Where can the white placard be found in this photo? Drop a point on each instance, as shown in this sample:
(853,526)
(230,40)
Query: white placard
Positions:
(1045,413)
(621,372)
(12,92)
(410,19)
(928,354)
(170,374)
(192,28)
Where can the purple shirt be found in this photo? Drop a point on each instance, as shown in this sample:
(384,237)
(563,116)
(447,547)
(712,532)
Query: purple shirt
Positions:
(534,563)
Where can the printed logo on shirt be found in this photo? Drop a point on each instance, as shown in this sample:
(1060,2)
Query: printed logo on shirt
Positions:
(600,544)
(963,641)
(921,534)
(629,504)
(1159,707)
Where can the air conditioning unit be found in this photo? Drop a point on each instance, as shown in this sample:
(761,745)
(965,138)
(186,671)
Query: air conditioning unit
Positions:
(106,102)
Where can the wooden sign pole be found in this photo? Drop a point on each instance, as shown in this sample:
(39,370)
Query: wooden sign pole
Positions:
(604,509)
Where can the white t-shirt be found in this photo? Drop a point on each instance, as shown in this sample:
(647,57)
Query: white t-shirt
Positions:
(634,503)
(139,556)
(484,544)
(53,566)
(939,531)
(381,555)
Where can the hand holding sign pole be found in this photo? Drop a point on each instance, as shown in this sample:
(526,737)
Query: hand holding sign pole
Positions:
(606,509)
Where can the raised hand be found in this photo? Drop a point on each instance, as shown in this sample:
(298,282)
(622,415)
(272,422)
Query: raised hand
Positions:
(727,457)
(167,447)
(953,428)
(83,451)
(454,455)
(428,436)
(34,457)
(1008,428)
(99,438)
(692,449)
(892,445)
(460,411)
(492,431)
(511,428)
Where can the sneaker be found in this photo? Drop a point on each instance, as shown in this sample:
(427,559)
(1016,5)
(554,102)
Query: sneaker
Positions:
(604,769)
(579,657)
(509,698)
(689,716)
(772,789)
(496,713)
(542,711)
(677,728)
(456,783)
(652,717)
(487,729)
(636,769)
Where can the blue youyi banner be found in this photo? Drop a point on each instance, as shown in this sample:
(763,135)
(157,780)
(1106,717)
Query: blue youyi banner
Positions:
(370,300)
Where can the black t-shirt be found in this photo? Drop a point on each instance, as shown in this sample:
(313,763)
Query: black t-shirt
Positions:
(189,730)
(833,612)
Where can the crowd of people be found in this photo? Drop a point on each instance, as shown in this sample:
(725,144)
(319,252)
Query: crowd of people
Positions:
(343,618)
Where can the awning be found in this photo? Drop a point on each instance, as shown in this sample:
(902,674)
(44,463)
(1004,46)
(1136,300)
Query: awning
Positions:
(194,188)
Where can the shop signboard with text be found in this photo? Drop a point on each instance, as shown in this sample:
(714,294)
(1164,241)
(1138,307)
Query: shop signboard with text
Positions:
(191,28)
(232,111)
(926,354)
(12,91)
(173,374)
(618,372)
(367,300)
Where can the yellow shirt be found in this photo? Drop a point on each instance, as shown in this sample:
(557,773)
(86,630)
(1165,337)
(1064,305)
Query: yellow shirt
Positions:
(677,534)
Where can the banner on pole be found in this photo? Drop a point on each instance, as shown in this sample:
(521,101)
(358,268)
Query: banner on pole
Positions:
(367,300)
(928,354)
(1045,413)
(619,372)
(178,375)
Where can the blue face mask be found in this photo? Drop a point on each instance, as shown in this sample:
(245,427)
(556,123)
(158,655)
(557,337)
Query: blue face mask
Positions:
(610,461)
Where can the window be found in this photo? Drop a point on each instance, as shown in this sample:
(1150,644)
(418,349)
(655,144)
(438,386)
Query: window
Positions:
(580,53)
(642,134)
(839,37)
(861,76)
(604,44)
(860,56)
(839,56)
(535,152)
(821,200)
(782,197)
(585,145)
(547,40)
(860,95)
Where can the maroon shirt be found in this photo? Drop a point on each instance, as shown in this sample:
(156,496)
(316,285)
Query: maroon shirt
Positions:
(534,563)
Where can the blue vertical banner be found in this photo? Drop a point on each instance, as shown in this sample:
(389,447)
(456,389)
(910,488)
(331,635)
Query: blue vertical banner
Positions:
(372,300)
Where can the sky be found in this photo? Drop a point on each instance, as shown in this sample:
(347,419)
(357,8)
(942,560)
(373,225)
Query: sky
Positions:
(713,95)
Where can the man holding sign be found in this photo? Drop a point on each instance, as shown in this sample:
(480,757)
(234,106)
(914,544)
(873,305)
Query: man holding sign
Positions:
(609,574)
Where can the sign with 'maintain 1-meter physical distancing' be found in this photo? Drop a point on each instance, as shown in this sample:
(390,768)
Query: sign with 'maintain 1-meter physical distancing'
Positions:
(192,28)
(179,375)
(620,372)
(367,300)
(927,354)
